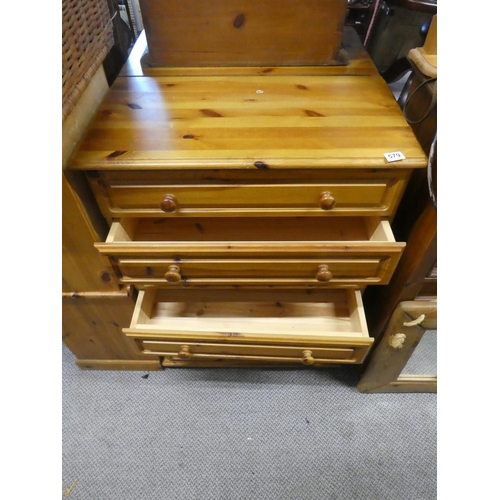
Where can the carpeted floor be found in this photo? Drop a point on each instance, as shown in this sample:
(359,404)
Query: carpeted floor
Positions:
(228,434)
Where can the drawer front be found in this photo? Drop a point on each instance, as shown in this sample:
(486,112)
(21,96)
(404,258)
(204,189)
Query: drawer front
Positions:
(378,195)
(196,351)
(251,272)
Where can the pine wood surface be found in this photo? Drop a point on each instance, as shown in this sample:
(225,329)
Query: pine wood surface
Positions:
(224,32)
(249,193)
(233,230)
(92,325)
(243,328)
(249,122)
(82,267)
(410,319)
(359,63)
(229,251)
(172,348)
(185,154)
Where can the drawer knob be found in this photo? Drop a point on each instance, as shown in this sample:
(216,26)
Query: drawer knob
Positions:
(307,358)
(326,200)
(169,203)
(173,275)
(184,352)
(324,274)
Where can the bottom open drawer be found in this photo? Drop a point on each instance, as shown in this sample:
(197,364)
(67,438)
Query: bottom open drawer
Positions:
(311,327)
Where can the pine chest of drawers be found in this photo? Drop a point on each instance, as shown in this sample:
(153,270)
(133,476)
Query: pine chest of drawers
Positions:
(249,211)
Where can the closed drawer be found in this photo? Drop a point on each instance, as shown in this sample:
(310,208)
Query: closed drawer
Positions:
(372,193)
(289,326)
(300,251)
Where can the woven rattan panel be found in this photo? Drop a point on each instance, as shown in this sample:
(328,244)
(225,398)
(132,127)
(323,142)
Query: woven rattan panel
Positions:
(87,36)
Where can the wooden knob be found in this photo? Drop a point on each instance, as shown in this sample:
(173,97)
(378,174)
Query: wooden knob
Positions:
(324,274)
(173,275)
(326,200)
(169,203)
(307,358)
(184,352)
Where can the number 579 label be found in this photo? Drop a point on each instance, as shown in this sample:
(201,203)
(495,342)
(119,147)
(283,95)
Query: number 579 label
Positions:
(395,156)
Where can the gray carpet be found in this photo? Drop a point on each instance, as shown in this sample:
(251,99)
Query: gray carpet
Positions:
(423,361)
(201,434)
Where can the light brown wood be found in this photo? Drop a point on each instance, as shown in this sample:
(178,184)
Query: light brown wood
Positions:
(200,351)
(250,206)
(153,234)
(430,44)
(326,200)
(225,32)
(409,322)
(184,352)
(273,326)
(268,251)
(173,275)
(156,270)
(92,324)
(417,260)
(121,294)
(307,357)
(79,117)
(82,267)
(138,63)
(236,193)
(223,122)
(412,383)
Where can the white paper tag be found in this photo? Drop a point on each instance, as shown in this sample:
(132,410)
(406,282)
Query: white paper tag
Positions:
(395,156)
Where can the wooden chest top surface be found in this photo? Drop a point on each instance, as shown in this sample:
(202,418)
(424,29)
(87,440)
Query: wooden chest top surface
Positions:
(291,121)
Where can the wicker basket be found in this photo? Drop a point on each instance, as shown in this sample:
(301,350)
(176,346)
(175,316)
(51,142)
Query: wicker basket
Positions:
(87,37)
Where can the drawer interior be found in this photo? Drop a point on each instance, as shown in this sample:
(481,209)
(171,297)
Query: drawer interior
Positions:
(298,251)
(290,317)
(269,229)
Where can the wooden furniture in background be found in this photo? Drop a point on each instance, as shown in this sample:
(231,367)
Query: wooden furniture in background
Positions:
(92,330)
(399,26)
(250,207)
(408,323)
(235,33)
(94,306)
(416,218)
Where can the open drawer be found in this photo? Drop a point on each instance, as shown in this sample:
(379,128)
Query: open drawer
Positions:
(298,251)
(289,326)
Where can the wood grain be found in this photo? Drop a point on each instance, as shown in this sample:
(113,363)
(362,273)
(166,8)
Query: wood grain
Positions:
(247,329)
(219,251)
(92,323)
(359,63)
(194,193)
(223,122)
(83,269)
(225,32)
(386,363)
